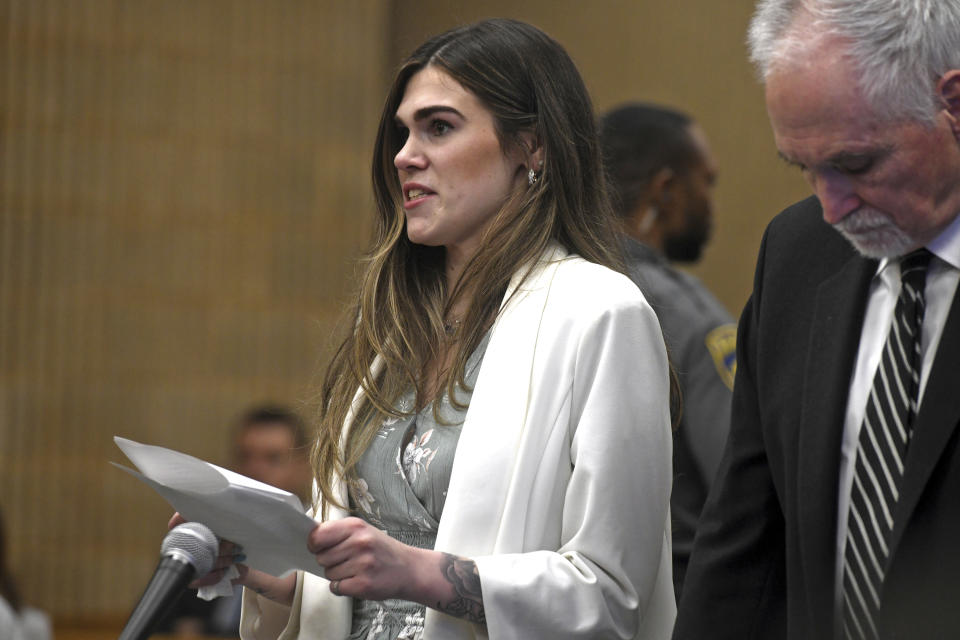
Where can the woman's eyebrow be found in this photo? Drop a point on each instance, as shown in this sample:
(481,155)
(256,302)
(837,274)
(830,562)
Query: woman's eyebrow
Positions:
(425,112)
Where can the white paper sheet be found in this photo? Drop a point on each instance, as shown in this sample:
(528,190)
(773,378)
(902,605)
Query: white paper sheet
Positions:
(269,523)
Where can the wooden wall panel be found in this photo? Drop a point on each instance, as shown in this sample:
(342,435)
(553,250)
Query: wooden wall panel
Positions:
(184,187)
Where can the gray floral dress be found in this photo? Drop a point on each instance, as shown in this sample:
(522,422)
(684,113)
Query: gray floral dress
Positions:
(401,487)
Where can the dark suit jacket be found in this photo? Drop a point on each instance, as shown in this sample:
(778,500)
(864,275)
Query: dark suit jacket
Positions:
(763,560)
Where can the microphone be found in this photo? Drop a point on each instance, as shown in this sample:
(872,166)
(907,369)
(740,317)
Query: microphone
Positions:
(188,552)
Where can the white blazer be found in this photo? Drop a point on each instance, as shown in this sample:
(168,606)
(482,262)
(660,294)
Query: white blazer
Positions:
(560,485)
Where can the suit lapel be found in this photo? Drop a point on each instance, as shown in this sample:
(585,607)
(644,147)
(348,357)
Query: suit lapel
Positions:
(832,348)
(494,426)
(935,423)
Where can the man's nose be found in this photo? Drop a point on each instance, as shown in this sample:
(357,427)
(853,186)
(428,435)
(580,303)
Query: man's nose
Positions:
(836,193)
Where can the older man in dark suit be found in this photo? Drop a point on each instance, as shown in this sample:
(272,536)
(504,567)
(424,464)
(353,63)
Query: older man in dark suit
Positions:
(836,511)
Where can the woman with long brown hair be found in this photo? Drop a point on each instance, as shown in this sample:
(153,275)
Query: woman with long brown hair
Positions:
(493,449)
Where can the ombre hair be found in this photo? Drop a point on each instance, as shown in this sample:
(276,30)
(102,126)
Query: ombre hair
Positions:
(534,92)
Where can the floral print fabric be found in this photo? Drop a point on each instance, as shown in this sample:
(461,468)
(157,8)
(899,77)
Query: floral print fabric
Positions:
(401,487)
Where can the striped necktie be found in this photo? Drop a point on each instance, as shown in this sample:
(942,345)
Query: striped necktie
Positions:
(884,436)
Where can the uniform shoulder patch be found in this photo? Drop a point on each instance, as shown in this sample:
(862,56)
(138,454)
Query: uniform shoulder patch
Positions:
(722,344)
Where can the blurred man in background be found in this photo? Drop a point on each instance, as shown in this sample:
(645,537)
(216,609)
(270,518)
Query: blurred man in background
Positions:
(269,444)
(662,174)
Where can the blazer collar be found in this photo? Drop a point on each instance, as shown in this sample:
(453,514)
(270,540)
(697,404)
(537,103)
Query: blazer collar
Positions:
(935,423)
(489,444)
(832,347)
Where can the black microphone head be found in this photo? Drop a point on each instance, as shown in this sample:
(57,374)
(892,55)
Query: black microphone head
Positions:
(194,543)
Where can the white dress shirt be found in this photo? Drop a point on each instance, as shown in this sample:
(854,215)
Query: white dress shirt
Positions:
(942,277)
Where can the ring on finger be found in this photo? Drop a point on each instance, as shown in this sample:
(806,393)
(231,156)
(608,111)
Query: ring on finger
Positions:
(335,587)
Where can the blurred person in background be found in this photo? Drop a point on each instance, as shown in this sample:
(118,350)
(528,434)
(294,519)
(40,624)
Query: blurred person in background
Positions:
(269,444)
(493,457)
(662,173)
(17,620)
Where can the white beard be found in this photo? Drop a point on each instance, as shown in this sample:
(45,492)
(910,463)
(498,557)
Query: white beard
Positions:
(874,235)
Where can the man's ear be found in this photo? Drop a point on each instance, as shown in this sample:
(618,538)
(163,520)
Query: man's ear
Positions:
(661,187)
(948,88)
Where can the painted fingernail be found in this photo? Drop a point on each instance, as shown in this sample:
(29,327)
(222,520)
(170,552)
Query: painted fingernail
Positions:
(240,557)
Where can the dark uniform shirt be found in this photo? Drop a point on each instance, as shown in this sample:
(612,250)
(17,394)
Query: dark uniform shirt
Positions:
(701,340)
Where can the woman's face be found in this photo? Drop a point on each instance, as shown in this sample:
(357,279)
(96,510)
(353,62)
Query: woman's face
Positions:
(453,172)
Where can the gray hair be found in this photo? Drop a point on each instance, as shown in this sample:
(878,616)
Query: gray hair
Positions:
(899,47)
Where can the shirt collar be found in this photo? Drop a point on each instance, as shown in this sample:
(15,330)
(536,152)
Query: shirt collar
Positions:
(945,246)
(634,250)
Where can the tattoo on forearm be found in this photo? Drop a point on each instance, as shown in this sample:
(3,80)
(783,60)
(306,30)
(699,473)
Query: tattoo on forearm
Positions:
(463,576)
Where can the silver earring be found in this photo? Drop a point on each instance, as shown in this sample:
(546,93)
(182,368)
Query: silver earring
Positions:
(532,177)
